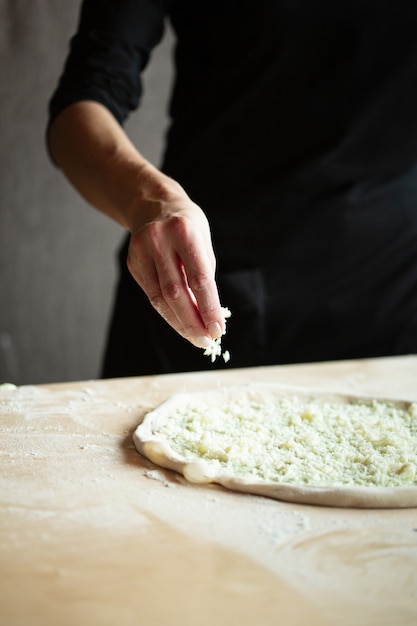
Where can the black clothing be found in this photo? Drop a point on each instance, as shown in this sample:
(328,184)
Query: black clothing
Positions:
(294,127)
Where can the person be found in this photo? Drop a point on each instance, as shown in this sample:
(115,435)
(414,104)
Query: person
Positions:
(288,186)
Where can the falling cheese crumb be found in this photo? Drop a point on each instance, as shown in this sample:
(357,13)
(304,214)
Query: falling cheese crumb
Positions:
(215,348)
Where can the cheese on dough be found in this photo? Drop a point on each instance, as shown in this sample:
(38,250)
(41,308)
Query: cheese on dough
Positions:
(298,441)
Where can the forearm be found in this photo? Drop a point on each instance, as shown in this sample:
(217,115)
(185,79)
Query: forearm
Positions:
(99,160)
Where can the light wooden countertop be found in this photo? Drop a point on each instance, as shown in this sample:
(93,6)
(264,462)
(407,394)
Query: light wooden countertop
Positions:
(92,533)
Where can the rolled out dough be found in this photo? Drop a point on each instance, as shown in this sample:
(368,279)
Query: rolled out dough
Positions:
(332,450)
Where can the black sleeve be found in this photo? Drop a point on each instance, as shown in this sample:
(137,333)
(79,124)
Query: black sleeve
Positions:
(107,54)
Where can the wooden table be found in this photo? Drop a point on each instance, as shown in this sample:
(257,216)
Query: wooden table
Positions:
(93,534)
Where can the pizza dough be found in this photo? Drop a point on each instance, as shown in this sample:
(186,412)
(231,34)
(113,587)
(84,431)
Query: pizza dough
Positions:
(289,444)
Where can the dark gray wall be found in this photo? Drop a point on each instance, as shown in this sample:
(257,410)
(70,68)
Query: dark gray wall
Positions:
(57,255)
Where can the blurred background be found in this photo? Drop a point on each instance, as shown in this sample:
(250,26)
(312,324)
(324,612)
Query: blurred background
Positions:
(57,254)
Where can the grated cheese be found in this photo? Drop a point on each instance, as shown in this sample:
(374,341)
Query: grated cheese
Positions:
(215,348)
(294,440)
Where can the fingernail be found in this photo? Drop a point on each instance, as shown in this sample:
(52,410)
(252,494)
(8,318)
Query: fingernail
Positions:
(214,330)
(202,342)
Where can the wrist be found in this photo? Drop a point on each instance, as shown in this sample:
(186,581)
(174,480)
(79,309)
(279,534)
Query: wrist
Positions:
(155,196)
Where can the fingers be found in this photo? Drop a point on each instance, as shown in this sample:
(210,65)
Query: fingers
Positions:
(202,286)
(198,264)
(174,264)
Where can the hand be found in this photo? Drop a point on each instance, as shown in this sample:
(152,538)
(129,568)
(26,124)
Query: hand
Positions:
(171,258)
